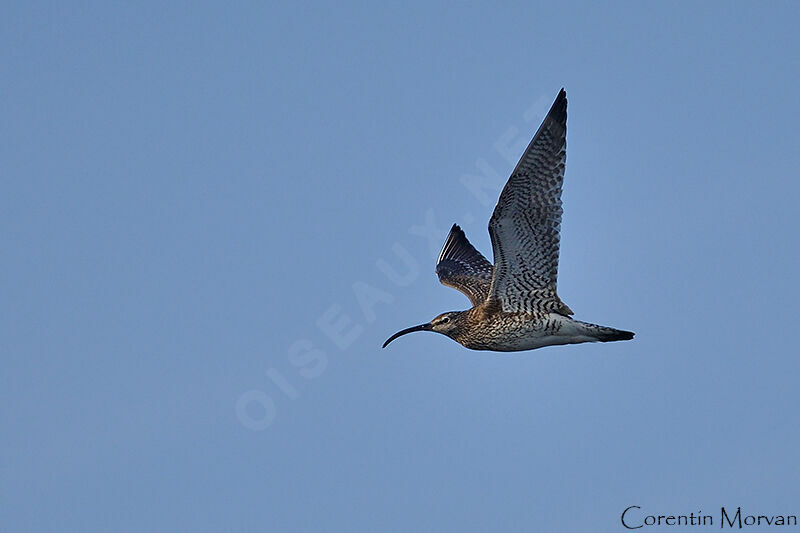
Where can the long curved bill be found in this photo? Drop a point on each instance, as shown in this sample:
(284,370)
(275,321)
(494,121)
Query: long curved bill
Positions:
(421,327)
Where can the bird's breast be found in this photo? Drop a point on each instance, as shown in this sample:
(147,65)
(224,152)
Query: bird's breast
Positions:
(507,331)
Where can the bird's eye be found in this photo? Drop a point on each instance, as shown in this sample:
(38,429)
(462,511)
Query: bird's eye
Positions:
(445,320)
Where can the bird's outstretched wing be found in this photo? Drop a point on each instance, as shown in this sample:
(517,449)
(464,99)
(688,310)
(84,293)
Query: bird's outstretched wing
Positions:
(463,268)
(526,223)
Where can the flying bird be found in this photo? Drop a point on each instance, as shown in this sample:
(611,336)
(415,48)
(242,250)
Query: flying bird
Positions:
(515,305)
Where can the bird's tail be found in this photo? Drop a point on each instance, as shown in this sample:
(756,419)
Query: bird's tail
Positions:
(606,334)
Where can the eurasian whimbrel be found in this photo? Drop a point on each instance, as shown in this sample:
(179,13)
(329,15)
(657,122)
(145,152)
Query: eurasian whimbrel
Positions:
(515,304)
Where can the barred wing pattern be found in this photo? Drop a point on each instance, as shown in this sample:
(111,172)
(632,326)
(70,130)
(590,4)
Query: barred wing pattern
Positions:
(463,268)
(526,223)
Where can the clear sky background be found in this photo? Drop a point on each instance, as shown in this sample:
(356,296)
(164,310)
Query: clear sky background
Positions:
(213,215)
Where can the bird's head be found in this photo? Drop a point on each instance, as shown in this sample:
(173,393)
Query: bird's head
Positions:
(449,324)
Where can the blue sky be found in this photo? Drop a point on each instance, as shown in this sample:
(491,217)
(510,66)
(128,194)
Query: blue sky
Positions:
(214,215)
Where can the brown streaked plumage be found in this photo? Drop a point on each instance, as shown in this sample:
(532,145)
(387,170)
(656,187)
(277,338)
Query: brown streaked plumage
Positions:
(515,303)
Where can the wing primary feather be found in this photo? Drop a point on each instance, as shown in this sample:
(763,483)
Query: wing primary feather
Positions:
(464,268)
(526,223)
